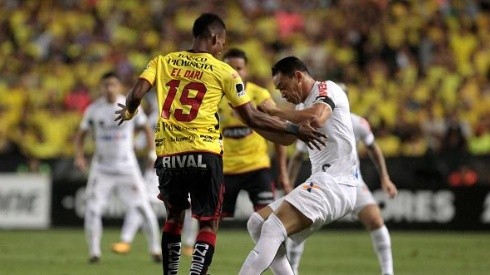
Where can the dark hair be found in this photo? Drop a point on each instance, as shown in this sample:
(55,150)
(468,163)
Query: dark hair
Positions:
(288,65)
(235,53)
(109,75)
(203,23)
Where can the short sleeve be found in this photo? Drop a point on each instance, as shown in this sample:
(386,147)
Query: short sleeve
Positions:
(234,89)
(150,72)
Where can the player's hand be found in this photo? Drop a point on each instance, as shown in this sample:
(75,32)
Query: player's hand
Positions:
(81,163)
(310,136)
(124,114)
(389,187)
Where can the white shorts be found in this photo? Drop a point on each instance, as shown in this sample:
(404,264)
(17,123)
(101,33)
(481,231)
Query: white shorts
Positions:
(321,199)
(364,198)
(129,187)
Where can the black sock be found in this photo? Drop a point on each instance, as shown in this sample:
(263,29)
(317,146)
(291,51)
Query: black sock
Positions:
(171,249)
(203,253)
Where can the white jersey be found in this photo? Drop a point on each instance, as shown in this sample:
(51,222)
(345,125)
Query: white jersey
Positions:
(362,132)
(339,157)
(114,148)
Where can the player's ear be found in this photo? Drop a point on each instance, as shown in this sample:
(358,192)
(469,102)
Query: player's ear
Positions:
(298,75)
(214,39)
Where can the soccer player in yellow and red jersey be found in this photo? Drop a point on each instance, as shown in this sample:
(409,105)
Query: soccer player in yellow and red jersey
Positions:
(190,85)
(246,161)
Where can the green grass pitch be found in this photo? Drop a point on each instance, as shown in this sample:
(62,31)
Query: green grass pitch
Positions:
(64,252)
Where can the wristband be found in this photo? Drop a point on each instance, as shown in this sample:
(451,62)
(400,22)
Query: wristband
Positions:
(292,128)
(128,115)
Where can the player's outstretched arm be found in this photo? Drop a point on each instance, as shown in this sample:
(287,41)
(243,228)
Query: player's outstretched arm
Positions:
(277,130)
(80,161)
(318,113)
(378,159)
(133,100)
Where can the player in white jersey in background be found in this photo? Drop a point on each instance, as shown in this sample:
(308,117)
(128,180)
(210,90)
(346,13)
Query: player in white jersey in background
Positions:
(114,166)
(134,220)
(366,209)
(330,192)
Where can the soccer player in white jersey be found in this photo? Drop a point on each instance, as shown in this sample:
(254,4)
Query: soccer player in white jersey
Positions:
(366,208)
(330,192)
(114,166)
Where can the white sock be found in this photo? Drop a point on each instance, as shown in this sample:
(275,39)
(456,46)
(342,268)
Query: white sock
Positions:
(272,236)
(295,251)
(132,223)
(189,230)
(382,247)
(280,265)
(254,226)
(93,232)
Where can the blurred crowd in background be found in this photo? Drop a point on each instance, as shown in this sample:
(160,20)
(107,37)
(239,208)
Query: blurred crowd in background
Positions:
(419,71)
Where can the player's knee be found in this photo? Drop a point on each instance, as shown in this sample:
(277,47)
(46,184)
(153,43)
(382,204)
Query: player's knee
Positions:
(373,222)
(254,225)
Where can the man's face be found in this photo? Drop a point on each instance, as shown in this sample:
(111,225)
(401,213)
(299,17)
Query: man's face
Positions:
(111,86)
(239,65)
(289,87)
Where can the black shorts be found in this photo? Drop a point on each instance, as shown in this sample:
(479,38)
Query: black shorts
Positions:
(195,175)
(258,184)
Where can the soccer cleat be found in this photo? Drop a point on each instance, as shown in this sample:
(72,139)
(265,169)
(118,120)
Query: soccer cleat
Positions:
(93,259)
(121,248)
(157,258)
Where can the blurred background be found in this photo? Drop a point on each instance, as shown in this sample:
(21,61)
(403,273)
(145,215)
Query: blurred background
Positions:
(419,71)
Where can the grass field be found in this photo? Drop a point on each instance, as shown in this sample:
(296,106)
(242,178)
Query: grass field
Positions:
(64,252)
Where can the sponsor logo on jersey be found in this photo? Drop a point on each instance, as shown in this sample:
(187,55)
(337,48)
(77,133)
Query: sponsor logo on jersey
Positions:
(183,161)
(322,89)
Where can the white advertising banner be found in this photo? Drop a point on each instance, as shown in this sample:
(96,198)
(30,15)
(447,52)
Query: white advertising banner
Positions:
(25,201)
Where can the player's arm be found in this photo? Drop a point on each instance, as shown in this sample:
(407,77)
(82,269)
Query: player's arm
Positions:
(133,100)
(318,113)
(277,130)
(280,150)
(80,161)
(378,159)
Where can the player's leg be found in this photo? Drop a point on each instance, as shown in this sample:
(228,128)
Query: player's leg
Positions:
(294,252)
(132,191)
(189,233)
(174,194)
(206,192)
(369,215)
(285,221)
(97,193)
(133,220)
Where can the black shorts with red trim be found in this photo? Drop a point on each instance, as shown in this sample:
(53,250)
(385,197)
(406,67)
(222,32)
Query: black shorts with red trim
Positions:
(195,175)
